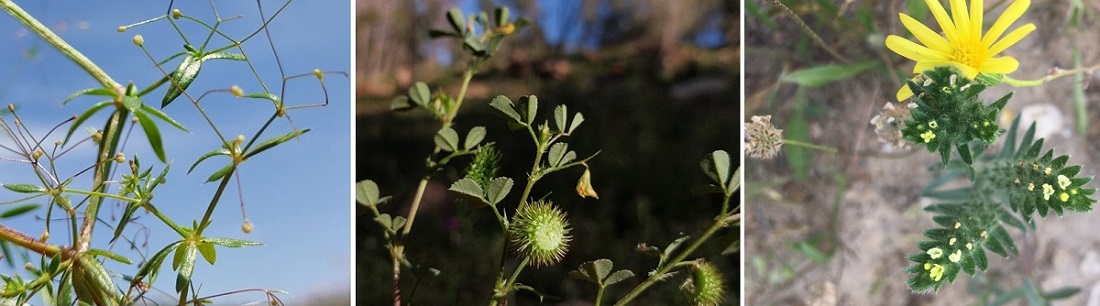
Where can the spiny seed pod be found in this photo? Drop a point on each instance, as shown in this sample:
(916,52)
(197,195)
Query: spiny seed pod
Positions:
(138,40)
(706,286)
(540,231)
(485,165)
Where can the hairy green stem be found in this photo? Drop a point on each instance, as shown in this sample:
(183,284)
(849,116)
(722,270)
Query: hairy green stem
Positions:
(809,31)
(1036,82)
(28,242)
(504,288)
(720,222)
(809,145)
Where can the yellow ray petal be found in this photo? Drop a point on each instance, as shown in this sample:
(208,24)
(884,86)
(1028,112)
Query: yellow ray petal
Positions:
(943,20)
(1011,39)
(1011,14)
(904,93)
(1004,64)
(921,67)
(977,10)
(962,21)
(925,35)
(913,51)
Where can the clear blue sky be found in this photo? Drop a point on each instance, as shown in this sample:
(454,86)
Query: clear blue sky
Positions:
(296,194)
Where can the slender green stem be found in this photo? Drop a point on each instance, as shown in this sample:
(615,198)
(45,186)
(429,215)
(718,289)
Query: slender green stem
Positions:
(214,203)
(101,194)
(719,222)
(416,205)
(809,145)
(787,11)
(599,295)
(505,288)
(1036,82)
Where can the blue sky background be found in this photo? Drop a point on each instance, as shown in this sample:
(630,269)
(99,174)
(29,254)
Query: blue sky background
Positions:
(296,194)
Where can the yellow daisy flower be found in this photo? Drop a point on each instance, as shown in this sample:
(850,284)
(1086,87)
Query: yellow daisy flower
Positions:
(962,45)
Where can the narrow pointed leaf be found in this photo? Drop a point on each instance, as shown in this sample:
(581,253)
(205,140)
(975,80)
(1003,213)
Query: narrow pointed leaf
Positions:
(152,134)
(84,116)
(274,141)
(220,173)
(232,243)
(19,210)
(164,117)
(208,252)
(152,265)
(181,78)
(186,267)
(455,18)
(25,188)
(90,92)
(109,254)
(216,152)
(224,55)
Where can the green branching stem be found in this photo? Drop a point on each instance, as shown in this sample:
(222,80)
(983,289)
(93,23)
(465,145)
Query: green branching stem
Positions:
(1061,73)
(723,220)
(809,145)
(20,239)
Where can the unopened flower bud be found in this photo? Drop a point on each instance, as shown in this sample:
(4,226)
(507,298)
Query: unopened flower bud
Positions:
(236,91)
(317,73)
(120,158)
(246,227)
(122,29)
(176,14)
(138,40)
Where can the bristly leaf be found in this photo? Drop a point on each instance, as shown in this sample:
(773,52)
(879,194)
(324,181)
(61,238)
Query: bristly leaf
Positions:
(25,188)
(181,78)
(152,134)
(274,141)
(232,243)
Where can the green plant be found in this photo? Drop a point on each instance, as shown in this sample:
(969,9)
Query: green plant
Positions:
(537,230)
(72,271)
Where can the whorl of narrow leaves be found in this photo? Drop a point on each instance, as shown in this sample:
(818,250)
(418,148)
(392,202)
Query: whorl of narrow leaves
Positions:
(947,114)
(972,219)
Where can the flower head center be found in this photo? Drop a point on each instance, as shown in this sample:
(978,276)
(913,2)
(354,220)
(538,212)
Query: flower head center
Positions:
(970,55)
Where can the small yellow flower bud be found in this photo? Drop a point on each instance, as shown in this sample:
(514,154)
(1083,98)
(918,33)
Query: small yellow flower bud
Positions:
(952,242)
(1064,197)
(11,107)
(955,257)
(507,29)
(28,266)
(176,14)
(1047,170)
(236,90)
(120,158)
(983,234)
(138,40)
(57,143)
(246,227)
(45,235)
(134,119)
(317,73)
(969,246)
(239,140)
(121,29)
(957,224)
(36,154)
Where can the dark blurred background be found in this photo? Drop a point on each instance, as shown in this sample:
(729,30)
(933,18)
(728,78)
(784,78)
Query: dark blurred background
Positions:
(657,82)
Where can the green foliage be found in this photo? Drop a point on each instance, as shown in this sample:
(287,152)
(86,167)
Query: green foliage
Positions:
(1008,188)
(948,114)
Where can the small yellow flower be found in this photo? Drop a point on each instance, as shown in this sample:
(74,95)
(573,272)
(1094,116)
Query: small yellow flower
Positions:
(963,45)
(933,124)
(936,273)
(955,257)
(928,136)
(1063,182)
(1047,191)
(1064,197)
